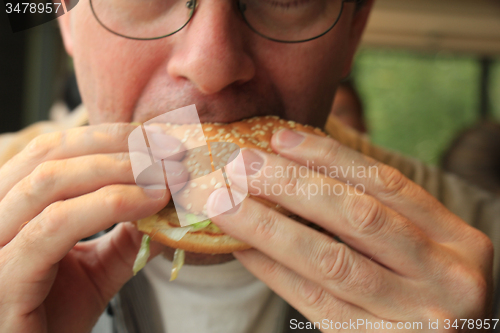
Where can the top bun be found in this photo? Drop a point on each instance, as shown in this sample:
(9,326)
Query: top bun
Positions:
(249,133)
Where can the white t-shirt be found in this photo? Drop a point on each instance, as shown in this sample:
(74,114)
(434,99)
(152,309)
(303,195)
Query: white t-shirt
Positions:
(211,299)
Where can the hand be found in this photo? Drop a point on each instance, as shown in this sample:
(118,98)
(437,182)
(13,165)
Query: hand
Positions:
(69,185)
(404,256)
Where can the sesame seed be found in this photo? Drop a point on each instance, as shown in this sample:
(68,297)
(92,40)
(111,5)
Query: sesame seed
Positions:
(270,124)
(189,205)
(218,185)
(184,140)
(242,141)
(209,128)
(212,181)
(206,172)
(203,186)
(193,184)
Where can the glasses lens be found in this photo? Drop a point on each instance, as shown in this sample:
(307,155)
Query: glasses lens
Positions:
(143,19)
(291,20)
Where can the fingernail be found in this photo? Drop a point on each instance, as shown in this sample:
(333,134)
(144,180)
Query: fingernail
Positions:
(288,139)
(219,202)
(174,169)
(252,163)
(164,141)
(163,145)
(154,193)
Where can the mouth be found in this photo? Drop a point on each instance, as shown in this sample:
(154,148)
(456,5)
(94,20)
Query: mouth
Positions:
(232,104)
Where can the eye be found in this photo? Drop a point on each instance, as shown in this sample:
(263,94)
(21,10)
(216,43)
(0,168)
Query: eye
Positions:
(292,4)
(291,20)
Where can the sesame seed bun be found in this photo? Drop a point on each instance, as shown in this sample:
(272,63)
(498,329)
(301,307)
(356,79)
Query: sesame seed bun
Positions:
(249,133)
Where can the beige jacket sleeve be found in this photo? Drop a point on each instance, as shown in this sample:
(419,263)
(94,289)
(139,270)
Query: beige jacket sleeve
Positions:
(478,208)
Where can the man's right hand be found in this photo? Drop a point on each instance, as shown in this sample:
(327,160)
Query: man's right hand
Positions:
(69,185)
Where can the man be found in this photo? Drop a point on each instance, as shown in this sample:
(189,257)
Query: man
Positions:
(405,256)
(348,108)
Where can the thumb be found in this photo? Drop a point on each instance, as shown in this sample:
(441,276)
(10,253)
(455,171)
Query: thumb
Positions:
(116,252)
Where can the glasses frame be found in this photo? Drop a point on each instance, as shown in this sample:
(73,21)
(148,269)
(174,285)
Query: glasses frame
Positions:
(241,9)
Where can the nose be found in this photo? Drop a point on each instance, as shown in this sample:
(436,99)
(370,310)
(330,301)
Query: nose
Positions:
(210,52)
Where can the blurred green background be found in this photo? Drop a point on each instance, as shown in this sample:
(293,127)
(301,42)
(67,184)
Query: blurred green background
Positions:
(417,103)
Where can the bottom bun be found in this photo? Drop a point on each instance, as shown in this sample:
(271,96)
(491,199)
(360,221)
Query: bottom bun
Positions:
(209,240)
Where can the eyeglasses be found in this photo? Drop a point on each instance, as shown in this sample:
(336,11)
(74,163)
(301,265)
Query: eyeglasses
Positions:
(285,21)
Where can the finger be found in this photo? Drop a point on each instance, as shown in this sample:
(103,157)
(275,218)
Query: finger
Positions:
(50,236)
(63,179)
(309,298)
(334,266)
(86,140)
(359,220)
(111,257)
(383,182)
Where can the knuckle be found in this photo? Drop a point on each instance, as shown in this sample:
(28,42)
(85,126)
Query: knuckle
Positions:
(120,162)
(485,247)
(270,268)
(367,215)
(40,180)
(470,286)
(312,294)
(113,199)
(334,262)
(290,183)
(125,163)
(40,147)
(118,131)
(329,150)
(391,182)
(365,280)
(50,220)
(266,225)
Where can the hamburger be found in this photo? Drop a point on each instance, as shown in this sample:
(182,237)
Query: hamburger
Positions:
(204,237)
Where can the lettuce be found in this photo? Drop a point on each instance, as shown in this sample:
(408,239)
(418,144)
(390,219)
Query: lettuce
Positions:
(142,255)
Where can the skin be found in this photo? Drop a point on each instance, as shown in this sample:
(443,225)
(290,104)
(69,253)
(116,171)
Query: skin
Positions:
(348,108)
(72,184)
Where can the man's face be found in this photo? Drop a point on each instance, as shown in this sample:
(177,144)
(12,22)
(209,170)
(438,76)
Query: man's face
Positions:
(215,62)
